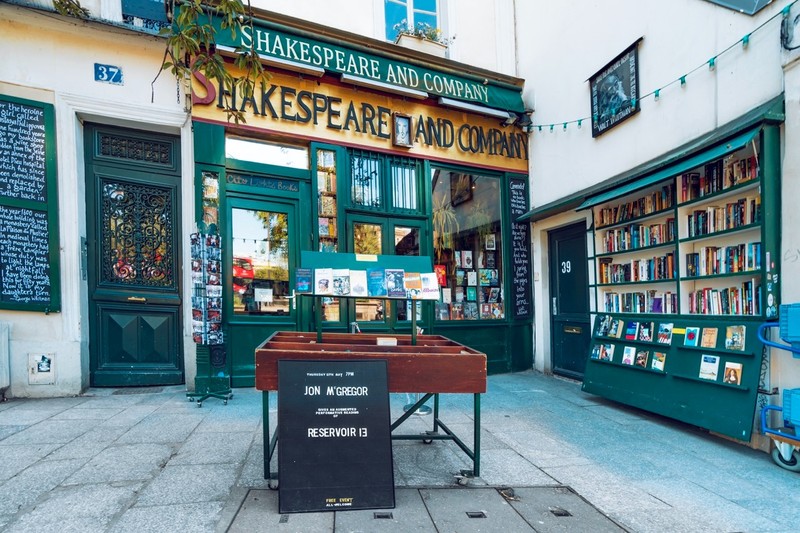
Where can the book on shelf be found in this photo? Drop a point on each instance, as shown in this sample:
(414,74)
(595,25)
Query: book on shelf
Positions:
(430,286)
(628,355)
(457,257)
(692,336)
(709,338)
(376,282)
(486,311)
(604,325)
(341,281)
(471,311)
(641,358)
(734,337)
(461,277)
(484,276)
(494,294)
(395,283)
(327,205)
(442,310)
(457,311)
(664,335)
(472,278)
(616,329)
(323,281)
(659,360)
(645,331)
(606,352)
(302,280)
(631,331)
(732,374)
(358,283)
(459,294)
(709,367)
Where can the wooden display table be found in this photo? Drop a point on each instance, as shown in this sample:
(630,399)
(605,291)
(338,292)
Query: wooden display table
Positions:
(433,365)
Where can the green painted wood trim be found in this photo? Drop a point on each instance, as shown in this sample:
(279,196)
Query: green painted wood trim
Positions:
(209,143)
(50,207)
(771,216)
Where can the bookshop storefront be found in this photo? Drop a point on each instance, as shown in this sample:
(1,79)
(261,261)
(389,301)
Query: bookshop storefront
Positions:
(360,150)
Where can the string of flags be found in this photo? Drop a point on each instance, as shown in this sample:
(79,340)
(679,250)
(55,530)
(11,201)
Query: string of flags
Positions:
(710,64)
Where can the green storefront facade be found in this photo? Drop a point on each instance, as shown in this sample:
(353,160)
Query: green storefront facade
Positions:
(339,163)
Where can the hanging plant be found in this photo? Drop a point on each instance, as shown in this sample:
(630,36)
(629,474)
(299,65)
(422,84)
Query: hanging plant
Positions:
(445,224)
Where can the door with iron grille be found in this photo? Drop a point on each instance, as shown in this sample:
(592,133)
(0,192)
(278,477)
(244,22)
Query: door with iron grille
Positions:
(133,257)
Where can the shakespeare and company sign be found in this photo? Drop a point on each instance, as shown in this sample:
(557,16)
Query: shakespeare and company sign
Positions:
(336,113)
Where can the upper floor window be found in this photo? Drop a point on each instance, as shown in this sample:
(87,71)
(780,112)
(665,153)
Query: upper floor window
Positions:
(383,182)
(413,12)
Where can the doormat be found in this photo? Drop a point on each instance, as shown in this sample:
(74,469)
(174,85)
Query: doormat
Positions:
(139,390)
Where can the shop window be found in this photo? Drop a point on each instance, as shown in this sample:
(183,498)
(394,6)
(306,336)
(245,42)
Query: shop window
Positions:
(403,175)
(368,239)
(411,13)
(268,153)
(260,270)
(365,178)
(468,245)
(407,242)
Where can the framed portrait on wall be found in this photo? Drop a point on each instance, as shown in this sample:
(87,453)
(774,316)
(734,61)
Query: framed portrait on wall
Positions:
(614,90)
(401,130)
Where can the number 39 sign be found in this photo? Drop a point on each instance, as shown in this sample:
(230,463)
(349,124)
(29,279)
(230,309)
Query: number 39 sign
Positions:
(107,74)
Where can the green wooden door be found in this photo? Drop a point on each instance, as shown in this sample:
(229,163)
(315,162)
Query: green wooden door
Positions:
(569,293)
(260,252)
(133,257)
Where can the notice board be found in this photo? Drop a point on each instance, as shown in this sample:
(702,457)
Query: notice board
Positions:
(335,447)
(29,268)
(520,251)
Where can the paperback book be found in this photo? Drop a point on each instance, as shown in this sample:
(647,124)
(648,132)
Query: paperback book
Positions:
(376,282)
(323,281)
(615,330)
(447,295)
(709,367)
(734,338)
(459,294)
(302,283)
(472,294)
(604,325)
(358,283)
(733,373)
(641,358)
(341,281)
(430,286)
(646,331)
(692,336)
(665,333)
(412,283)
(457,311)
(659,359)
(606,352)
(472,278)
(471,310)
(631,331)
(466,259)
(709,338)
(441,274)
(628,355)
(395,286)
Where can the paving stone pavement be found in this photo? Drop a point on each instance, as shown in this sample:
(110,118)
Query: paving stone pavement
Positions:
(552,459)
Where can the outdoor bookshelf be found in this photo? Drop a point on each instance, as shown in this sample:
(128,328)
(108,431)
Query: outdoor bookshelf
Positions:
(694,251)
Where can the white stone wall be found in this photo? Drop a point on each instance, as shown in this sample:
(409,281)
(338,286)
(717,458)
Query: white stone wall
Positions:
(49,59)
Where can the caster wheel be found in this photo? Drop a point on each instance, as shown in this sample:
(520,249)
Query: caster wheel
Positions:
(273,484)
(230,396)
(427,441)
(199,404)
(793,464)
(191,399)
(462,481)
(224,402)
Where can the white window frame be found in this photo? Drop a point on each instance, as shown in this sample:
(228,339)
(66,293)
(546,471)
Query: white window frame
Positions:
(410,11)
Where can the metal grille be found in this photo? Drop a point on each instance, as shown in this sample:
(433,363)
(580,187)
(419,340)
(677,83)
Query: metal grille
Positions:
(129,148)
(365,179)
(137,235)
(403,173)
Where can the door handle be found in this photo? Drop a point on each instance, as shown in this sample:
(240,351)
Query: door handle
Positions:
(555,306)
(137,299)
(293,298)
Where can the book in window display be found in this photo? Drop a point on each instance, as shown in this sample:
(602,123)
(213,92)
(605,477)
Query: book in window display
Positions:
(466,259)
(472,294)
(457,311)
(497,310)
(459,294)
(471,311)
(441,274)
(447,295)
(472,278)
(486,311)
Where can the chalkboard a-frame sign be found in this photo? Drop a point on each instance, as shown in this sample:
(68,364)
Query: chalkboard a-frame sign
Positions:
(29,261)
(335,445)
